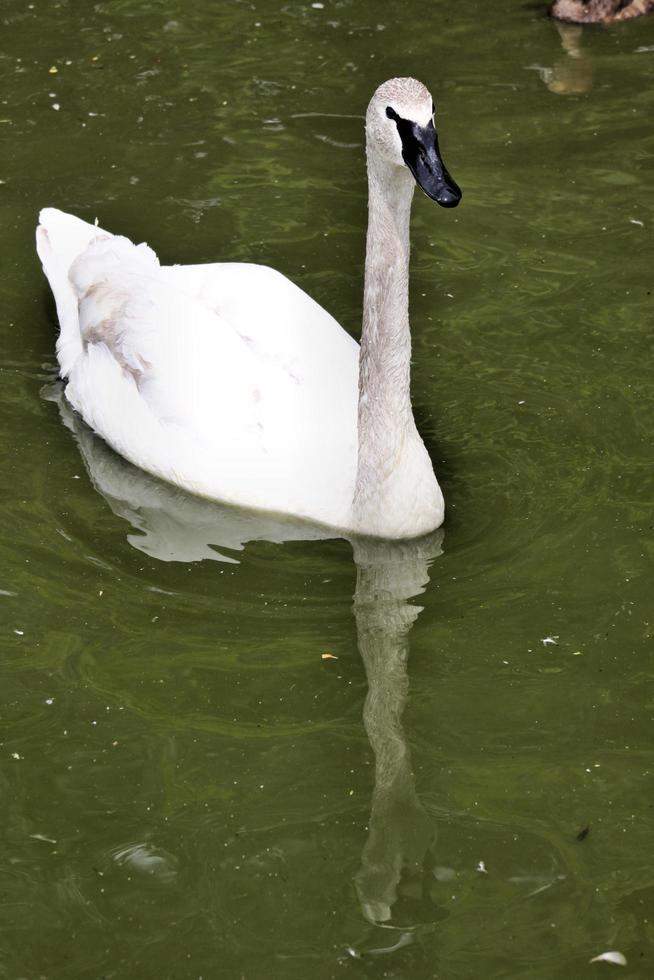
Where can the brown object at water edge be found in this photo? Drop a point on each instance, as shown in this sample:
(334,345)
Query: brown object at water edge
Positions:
(599,11)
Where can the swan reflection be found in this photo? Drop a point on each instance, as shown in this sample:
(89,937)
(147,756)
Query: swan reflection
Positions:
(172,526)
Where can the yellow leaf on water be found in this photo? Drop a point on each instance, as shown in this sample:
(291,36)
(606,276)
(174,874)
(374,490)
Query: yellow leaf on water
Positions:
(328,656)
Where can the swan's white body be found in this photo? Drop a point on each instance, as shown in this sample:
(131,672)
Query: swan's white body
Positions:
(229,381)
(225,379)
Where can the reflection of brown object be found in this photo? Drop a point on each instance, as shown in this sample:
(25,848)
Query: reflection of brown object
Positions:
(572,74)
(599,11)
(571,77)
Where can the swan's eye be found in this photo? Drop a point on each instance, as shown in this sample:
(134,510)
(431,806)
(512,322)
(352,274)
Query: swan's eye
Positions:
(392,114)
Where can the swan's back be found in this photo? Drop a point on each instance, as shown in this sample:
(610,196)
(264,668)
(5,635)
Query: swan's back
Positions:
(225,379)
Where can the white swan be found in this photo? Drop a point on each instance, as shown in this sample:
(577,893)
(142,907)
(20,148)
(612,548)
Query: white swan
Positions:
(229,381)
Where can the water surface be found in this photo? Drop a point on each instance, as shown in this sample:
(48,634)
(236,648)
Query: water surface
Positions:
(188,788)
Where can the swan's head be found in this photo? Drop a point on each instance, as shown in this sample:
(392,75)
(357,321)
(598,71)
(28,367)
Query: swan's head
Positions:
(400,129)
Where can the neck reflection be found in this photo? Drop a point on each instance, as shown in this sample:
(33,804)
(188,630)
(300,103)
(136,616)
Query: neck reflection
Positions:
(389,575)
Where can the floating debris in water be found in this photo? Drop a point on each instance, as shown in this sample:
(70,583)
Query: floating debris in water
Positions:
(550,641)
(147,860)
(613,956)
(481,868)
(583,834)
(53,70)
(328,656)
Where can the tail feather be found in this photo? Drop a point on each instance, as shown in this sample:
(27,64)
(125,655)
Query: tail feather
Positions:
(60,238)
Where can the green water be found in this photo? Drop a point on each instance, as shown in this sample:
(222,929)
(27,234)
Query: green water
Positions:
(187,789)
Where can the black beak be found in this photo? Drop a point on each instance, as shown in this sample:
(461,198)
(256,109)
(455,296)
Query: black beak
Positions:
(422,156)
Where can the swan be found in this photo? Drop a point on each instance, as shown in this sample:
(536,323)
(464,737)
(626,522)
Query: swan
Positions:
(229,381)
(599,11)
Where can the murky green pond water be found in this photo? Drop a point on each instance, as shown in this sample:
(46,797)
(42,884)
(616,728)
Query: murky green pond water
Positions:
(188,789)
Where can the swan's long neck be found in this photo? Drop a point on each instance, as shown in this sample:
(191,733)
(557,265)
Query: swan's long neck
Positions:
(385,418)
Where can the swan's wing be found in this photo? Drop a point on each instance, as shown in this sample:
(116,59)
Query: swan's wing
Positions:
(171,384)
(279,322)
(310,425)
(227,380)
(148,343)
(111,299)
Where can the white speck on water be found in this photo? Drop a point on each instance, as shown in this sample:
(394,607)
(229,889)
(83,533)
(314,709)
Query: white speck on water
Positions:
(635,221)
(56,106)
(49,701)
(481,868)
(550,641)
(19,632)
(613,956)
(16,755)
(318,6)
